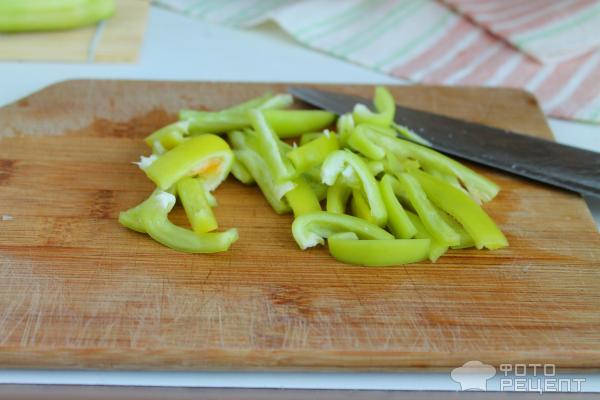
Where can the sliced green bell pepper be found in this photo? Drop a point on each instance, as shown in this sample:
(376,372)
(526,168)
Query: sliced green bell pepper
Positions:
(436,248)
(207,156)
(193,197)
(313,154)
(337,198)
(302,199)
(433,221)
(335,164)
(467,212)
(360,207)
(360,142)
(232,118)
(384,104)
(398,220)
(310,229)
(259,171)
(408,134)
(378,253)
(309,137)
(168,137)
(345,126)
(478,186)
(268,146)
(241,173)
(291,123)
(152,218)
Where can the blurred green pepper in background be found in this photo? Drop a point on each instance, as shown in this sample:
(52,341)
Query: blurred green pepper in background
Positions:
(52,15)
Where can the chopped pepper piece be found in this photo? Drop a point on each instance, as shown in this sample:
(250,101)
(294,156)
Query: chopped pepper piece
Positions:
(309,137)
(360,207)
(168,137)
(335,164)
(433,221)
(313,154)
(337,198)
(436,248)
(241,173)
(259,171)
(290,123)
(310,229)
(378,253)
(268,146)
(408,134)
(360,142)
(302,199)
(398,221)
(193,197)
(481,188)
(232,118)
(345,126)
(467,212)
(152,218)
(207,156)
(384,104)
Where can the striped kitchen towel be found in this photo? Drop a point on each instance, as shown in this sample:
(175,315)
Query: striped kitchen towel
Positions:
(548,30)
(455,42)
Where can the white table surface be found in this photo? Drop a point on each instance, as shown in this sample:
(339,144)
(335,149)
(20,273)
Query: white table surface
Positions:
(180,48)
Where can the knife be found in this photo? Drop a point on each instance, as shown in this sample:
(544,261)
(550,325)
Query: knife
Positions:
(542,160)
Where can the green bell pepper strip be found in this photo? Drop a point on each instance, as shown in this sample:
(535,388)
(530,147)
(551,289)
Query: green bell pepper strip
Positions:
(360,142)
(239,171)
(384,104)
(232,118)
(45,15)
(246,146)
(309,137)
(344,236)
(466,240)
(464,209)
(337,198)
(345,126)
(259,171)
(192,194)
(376,167)
(451,179)
(477,185)
(269,148)
(168,137)
(398,220)
(430,216)
(378,253)
(317,187)
(395,165)
(360,207)
(207,156)
(152,218)
(335,164)
(313,154)
(408,134)
(436,248)
(290,123)
(302,199)
(310,229)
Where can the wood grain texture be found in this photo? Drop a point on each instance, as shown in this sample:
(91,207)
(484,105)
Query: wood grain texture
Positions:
(78,290)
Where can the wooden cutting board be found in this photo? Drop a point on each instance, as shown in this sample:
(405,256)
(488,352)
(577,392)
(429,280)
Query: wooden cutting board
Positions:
(77,290)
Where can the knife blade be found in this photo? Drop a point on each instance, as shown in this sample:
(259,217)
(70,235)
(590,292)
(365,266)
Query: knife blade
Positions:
(538,159)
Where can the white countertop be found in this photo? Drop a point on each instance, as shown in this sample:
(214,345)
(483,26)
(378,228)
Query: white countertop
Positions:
(180,48)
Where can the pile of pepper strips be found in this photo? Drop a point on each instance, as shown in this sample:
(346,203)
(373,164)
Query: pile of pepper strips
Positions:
(407,202)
